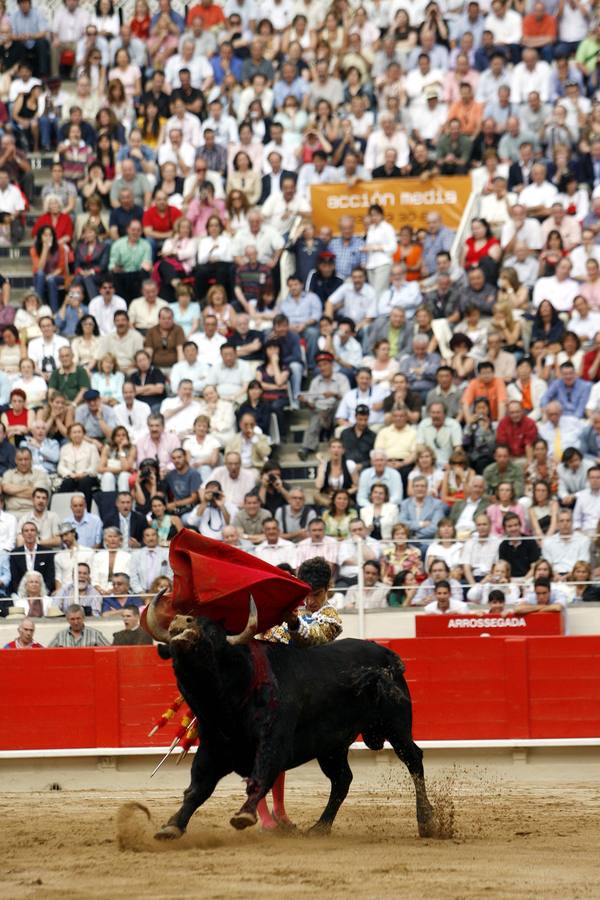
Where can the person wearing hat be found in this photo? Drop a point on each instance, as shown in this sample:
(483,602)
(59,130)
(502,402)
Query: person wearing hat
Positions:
(97,418)
(323,281)
(71,554)
(325,392)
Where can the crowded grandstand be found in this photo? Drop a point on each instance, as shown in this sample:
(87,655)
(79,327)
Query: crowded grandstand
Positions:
(190,338)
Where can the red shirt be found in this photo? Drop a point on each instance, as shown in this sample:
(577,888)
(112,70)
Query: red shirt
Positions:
(160,222)
(516,437)
(33,646)
(62,228)
(588,361)
(211,15)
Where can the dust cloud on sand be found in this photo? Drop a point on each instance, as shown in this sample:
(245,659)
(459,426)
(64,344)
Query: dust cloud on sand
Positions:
(505,839)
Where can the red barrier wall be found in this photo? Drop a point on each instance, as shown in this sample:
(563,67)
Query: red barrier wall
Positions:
(513,687)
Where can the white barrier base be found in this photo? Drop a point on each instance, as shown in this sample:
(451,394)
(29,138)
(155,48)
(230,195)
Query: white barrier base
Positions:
(509,743)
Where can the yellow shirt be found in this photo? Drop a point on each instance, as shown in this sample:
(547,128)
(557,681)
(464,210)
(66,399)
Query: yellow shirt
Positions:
(398,443)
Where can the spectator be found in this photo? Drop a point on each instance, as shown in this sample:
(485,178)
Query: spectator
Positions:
(274,549)
(25,637)
(149,563)
(78,634)
(587,504)
(18,484)
(518,432)
(521,554)
(132,634)
(34,556)
(87,525)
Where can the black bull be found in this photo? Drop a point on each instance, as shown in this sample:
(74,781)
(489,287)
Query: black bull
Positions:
(266,708)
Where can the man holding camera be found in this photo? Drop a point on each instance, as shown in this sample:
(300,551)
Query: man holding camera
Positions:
(271,490)
(213,512)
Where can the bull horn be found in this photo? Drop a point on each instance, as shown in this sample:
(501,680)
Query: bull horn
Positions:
(157,631)
(251,626)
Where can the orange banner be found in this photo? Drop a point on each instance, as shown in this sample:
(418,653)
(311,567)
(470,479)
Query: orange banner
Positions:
(405,201)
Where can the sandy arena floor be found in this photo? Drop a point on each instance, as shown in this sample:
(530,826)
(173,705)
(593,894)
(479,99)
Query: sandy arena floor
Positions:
(519,841)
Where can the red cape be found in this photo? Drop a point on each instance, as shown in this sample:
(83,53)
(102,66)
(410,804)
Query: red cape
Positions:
(215,580)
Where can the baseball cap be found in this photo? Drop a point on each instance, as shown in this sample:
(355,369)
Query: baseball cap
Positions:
(91,395)
(324,356)
(326,256)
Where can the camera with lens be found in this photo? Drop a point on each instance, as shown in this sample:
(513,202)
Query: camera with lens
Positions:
(272,478)
(147,468)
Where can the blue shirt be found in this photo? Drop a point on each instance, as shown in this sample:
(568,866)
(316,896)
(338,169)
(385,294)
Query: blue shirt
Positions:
(573,400)
(347,255)
(174,16)
(147,153)
(235,65)
(298,88)
(434,244)
(89,530)
(390,477)
(112,603)
(67,324)
(31,24)
(308,307)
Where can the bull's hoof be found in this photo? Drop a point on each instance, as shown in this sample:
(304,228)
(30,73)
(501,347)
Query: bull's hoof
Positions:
(284,823)
(320,829)
(243,820)
(426,828)
(168,833)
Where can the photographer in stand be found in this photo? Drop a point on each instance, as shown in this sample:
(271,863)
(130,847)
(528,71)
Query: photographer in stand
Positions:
(271,490)
(212,514)
(148,484)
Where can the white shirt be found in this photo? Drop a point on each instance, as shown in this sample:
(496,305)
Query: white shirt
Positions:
(225,128)
(289,160)
(143,314)
(456,606)
(197,374)
(183,421)
(189,125)
(347,408)
(506,30)
(384,235)
(354,304)
(268,240)
(563,552)
(378,143)
(38,349)
(415,84)
(280,215)
(585,328)
(214,249)
(69,26)
(208,348)
(530,233)
(587,510)
(199,66)
(18,86)
(104,314)
(281,552)
(560,293)
(579,256)
(8,531)
(543,194)
(480,555)
(524,81)
(11,200)
(186,151)
(135,420)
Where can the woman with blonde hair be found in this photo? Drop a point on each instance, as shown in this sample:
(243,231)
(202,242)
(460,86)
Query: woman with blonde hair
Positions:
(218,305)
(400,556)
(202,448)
(108,380)
(425,467)
(237,207)
(510,329)
(457,477)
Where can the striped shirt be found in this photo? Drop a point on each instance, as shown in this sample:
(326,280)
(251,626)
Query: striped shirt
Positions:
(89,637)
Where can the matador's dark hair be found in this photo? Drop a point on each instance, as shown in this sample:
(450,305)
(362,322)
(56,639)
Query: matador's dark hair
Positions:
(316,572)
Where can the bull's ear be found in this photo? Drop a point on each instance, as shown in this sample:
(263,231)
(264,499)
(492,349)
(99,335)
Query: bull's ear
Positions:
(164,651)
